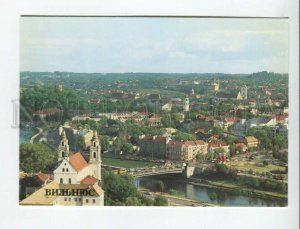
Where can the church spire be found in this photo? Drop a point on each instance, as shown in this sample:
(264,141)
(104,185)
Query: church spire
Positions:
(63,148)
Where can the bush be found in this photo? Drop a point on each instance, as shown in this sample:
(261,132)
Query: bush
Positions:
(160,201)
(265,163)
(172,192)
(213,196)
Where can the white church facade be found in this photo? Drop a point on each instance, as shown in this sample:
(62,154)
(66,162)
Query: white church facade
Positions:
(76,180)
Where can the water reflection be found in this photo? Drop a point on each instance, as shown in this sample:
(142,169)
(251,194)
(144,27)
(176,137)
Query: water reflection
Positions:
(223,197)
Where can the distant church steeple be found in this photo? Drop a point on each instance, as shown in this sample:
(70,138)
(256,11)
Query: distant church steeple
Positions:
(63,148)
(186,104)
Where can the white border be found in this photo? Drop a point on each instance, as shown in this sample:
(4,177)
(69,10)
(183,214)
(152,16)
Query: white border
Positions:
(14,216)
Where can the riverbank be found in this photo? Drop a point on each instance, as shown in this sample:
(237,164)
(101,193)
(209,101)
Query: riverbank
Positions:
(177,201)
(229,186)
(36,135)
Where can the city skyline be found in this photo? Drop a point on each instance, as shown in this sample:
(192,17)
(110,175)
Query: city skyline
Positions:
(154,44)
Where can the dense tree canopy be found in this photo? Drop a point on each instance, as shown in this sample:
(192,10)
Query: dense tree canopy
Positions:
(36,157)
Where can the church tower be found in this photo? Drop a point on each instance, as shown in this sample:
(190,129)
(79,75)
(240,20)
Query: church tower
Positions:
(95,155)
(244,92)
(63,148)
(186,104)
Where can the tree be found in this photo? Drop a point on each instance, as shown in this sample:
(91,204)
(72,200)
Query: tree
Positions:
(118,188)
(160,201)
(232,150)
(81,143)
(132,201)
(104,141)
(181,136)
(265,163)
(36,157)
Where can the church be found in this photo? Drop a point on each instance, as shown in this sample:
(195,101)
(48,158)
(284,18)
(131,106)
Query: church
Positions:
(76,180)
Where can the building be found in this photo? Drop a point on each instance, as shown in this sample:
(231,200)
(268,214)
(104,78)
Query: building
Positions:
(186,104)
(229,96)
(215,85)
(155,121)
(185,150)
(76,180)
(244,92)
(59,88)
(241,147)
(167,107)
(213,146)
(30,184)
(154,146)
(230,121)
(260,122)
(251,141)
(48,112)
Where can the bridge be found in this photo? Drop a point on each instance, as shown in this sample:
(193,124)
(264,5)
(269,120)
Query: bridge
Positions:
(156,171)
(143,172)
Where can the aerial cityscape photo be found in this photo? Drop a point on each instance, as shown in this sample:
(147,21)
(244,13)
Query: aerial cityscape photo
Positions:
(153,111)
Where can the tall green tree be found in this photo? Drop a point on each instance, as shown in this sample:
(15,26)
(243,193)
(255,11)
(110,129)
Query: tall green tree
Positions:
(36,157)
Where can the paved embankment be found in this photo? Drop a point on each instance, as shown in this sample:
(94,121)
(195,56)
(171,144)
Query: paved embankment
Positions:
(34,136)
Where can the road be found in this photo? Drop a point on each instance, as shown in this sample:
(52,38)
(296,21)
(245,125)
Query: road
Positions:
(34,136)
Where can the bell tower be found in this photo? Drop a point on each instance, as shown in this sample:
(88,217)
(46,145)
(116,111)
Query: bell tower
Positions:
(186,104)
(63,148)
(95,155)
(95,149)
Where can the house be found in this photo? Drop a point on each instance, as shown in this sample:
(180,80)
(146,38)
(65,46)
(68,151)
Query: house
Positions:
(30,184)
(241,147)
(251,141)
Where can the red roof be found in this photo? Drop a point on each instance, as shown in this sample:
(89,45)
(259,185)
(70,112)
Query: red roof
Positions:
(47,111)
(197,142)
(190,143)
(241,145)
(77,161)
(43,177)
(206,118)
(216,144)
(88,180)
(232,119)
(280,118)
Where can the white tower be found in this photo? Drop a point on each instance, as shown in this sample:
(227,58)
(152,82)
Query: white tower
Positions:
(186,104)
(63,148)
(95,154)
(244,92)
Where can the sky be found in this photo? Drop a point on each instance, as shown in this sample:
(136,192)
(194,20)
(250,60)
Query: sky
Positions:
(153,44)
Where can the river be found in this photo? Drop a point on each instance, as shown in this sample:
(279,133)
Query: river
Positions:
(224,197)
(26,133)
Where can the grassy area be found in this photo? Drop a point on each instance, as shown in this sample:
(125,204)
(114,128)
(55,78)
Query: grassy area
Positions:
(247,165)
(126,163)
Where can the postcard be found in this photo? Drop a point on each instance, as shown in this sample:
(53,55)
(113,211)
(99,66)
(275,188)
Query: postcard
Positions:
(154,111)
